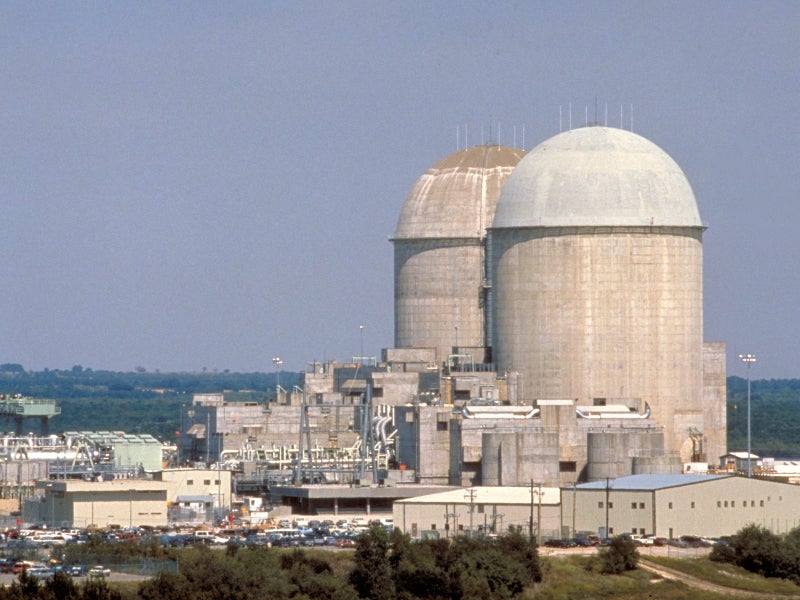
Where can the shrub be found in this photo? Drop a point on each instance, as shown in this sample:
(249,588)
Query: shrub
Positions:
(620,556)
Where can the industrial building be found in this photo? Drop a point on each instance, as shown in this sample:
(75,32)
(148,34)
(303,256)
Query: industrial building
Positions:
(671,506)
(485,510)
(109,503)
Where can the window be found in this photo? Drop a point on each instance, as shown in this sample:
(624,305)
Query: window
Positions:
(633,506)
(441,426)
(409,417)
(641,530)
(610,531)
(216,482)
(481,508)
(433,526)
(567,466)
(726,504)
(633,529)
(641,504)
(190,482)
(752,503)
(719,503)
(599,505)
(761,503)
(610,505)
(669,506)
(692,503)
(733,503)
(206,482)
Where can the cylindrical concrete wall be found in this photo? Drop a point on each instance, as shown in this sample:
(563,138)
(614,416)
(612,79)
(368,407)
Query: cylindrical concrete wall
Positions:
(517,458)
(440,270)
(611,453)
(603,314)
(666,463)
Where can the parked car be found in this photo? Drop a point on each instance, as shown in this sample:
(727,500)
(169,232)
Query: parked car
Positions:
(77,570)
(99,571)
(579,541)
(40,572)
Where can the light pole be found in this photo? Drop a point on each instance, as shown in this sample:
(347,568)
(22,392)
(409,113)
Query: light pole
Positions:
(130,508)
(276,360)
(748,359)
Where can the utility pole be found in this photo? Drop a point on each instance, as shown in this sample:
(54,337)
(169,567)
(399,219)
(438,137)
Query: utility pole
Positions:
(607,497)
(530,521)
(470,495)
(539,494)
(574,498)
(539,517)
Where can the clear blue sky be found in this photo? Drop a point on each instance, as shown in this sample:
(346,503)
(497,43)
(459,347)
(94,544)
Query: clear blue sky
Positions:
(190,184)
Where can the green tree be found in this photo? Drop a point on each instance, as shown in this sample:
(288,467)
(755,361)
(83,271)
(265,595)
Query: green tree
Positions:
(620,556)
(372,576)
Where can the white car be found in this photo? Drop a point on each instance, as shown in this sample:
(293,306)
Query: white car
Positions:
(99,571)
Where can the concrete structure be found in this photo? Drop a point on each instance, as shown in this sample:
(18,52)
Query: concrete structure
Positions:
(481,510)
(597,292)
(439,248)
(673,505)
(77,503)
(337,499)
(211,483)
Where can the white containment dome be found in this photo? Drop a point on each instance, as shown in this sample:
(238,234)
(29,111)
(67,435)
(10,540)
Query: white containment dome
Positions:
(439,250)
(596,267)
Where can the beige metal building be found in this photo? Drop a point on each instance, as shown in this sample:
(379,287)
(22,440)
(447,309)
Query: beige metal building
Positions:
(78,503)
(481,510)
(439,248)
(215,483)
(674,505)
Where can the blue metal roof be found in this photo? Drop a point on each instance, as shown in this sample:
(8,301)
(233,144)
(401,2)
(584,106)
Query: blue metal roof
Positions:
(649,482)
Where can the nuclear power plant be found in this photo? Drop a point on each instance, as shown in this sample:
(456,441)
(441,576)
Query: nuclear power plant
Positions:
(548,327)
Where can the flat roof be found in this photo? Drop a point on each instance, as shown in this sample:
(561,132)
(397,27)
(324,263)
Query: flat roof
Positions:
(649,482)
(322,491)
(490,495)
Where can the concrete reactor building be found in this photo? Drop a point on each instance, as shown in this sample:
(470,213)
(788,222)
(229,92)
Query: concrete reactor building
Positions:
(441,284)
(578,269)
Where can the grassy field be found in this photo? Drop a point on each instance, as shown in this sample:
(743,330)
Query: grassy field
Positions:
(729,575)
(575,578)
